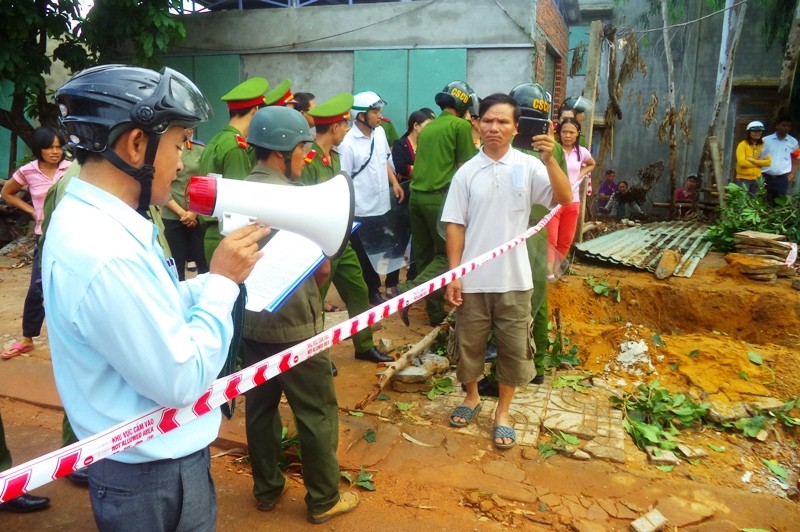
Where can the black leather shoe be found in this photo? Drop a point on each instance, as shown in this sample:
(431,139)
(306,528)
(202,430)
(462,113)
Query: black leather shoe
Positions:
(334,371)
(539,379)
(25,503)
(80,477)
(373,355)
(376,299)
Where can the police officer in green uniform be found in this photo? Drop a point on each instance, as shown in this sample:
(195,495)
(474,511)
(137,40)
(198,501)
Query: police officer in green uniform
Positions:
(535,102)
(183,229)
(443,146)
(389,129)
(331,121)
(227,153)
(279,135)
(280,95)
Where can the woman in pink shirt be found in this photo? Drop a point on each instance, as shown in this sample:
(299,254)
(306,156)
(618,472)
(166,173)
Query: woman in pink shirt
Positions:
(39,175)
(561,227)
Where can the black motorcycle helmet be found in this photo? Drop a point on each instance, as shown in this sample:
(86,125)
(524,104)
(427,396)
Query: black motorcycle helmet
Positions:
(532,99)
(101,103)
(459,96)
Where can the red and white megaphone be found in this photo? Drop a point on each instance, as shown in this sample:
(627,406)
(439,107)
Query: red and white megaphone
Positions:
(322,213)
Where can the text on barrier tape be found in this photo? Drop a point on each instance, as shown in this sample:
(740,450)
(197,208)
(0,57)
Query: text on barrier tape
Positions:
(39,471)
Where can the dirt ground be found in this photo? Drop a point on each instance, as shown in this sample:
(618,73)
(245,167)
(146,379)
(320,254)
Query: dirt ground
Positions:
(699,333)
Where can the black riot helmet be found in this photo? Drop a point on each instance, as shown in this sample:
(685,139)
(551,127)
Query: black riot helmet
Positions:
(101,103)
(533,100)
(459,96)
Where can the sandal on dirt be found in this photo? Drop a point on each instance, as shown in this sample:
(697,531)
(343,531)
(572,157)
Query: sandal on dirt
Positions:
(465,412)
(16,349)
(502,431)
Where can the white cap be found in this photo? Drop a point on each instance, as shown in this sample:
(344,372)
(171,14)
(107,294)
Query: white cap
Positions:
(755,125)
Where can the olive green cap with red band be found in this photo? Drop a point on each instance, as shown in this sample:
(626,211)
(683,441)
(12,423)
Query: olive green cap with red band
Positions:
(334,109)
(249,93)
(280,95)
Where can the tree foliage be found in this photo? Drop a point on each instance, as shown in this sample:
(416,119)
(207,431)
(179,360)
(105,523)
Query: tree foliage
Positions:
(132,31)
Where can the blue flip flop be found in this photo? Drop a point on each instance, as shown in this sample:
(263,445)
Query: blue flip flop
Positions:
(465,412)
(502,431)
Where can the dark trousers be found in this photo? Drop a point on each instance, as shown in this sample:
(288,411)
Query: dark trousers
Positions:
(309,390)
(371,277)
(186,243)
(776,186)
(5,454)
(33,311)
(165,495)
(346,276)
(428,248)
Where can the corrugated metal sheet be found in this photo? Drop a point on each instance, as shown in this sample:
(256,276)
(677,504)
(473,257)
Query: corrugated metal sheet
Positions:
(642,246)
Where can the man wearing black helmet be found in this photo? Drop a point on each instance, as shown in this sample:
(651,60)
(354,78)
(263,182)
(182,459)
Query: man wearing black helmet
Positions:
(125,335)
(443,146)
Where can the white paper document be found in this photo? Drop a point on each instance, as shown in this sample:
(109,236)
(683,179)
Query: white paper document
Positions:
(288,260)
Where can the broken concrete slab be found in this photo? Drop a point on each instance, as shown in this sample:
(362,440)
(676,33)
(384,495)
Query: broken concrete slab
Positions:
(436,364)
(719,412)
(765,404)
(659,456)
(606,449)
(652,521)
(692,452)
(413,375)
(385,345)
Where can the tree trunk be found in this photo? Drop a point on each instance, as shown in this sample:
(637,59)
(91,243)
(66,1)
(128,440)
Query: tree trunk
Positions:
(590,93)
(789,65)
(671,112)
(731,31)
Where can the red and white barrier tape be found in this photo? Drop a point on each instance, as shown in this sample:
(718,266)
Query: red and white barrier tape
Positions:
(35,473)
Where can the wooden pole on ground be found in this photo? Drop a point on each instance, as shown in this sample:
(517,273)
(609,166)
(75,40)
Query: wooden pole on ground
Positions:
(404,360)
(716,162)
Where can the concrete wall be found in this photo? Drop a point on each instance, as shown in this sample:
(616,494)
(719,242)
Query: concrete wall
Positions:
(313,46)
(423,23)
(695,50)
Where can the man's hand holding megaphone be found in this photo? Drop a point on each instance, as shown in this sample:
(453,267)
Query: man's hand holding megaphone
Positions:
(238,253)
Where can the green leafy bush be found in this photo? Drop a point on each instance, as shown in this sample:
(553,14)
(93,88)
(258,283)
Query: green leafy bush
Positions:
(744,213)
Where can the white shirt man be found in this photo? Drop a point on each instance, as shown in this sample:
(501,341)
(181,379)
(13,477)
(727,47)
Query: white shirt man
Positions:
(783,167)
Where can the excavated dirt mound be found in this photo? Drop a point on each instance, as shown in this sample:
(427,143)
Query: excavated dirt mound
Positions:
(698,333)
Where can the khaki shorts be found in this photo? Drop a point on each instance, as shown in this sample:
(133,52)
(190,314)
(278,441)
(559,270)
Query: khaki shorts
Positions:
(508,315)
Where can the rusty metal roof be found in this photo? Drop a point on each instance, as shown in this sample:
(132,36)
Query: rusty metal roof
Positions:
(642,246)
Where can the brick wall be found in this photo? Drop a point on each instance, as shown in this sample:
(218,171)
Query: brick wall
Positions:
(556,33)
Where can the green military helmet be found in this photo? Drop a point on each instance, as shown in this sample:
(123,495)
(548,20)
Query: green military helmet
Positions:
(278,129)
(249,93)
(533,99)
(334,109)
(280,95)
(459,96)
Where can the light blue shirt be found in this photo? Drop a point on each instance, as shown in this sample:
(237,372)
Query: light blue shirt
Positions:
(125,335)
